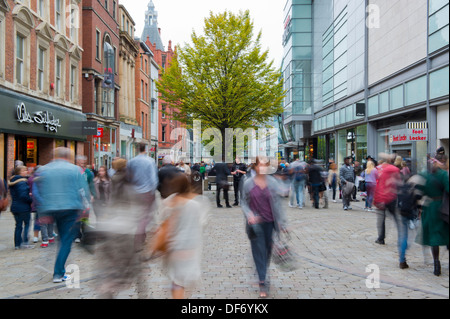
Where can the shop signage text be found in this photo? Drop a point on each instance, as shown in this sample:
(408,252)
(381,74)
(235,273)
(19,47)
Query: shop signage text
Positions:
(407,136)
(41,117)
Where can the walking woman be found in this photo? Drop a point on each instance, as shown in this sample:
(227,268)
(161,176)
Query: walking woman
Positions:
(435,230)
(188,213)
(333,179)
(371,176)
(21,206)
(264,216)
(102,184)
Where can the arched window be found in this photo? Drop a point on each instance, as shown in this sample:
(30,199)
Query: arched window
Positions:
(108,82)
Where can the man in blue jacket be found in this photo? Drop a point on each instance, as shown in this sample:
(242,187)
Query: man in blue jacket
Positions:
(61,189)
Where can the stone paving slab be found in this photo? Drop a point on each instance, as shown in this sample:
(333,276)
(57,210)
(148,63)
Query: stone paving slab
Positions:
(333,247)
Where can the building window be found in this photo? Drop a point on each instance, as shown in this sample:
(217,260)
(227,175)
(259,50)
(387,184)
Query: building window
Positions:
(163,112)
(97,45)
(373,105)
(73,82)
(439,83)
(42,8)
(438,25)
(114,9)
(20,59)
(142,89)
(146,92)
(41,68)
(396,98)
(163,133)
(2,44)
(58,84)
(59,15)
(416,91)
(106,5)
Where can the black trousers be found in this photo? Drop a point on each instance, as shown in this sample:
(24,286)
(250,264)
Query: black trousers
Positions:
(236,187)
(225,194)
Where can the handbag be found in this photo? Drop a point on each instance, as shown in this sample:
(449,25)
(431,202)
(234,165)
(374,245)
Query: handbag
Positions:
(282,253)
(159,244)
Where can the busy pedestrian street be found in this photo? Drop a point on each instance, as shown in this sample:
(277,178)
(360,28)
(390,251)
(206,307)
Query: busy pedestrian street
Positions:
(335,250)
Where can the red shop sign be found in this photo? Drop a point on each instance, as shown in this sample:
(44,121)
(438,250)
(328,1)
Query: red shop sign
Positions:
(99,132)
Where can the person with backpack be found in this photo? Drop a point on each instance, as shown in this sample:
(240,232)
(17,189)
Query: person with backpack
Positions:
(299,177)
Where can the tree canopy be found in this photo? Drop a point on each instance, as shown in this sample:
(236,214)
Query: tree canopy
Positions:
(223,78)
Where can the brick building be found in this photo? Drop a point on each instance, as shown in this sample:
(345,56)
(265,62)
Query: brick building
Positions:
(130,131)
(143,91)
(100,78)
(152,37)
(40,63)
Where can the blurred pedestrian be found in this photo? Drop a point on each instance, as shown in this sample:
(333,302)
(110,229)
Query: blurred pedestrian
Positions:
(61,189)
(21,206)
(165,175)
(184,168)
(370,176)
(333,179)
(239,170)
(298,171)
(264,215)
(36,225)
(385,198)
(102,184)
(435,231)
(143,175)
(188,213)
(222,172)
(89,195)
(405,171)
(347,175)
(315,181)
(118,258)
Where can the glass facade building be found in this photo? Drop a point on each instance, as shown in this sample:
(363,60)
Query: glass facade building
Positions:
(365,73)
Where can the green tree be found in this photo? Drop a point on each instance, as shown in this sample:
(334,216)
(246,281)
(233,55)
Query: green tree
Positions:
(223,78)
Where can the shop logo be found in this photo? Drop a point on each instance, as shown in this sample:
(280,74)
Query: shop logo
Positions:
(41,117)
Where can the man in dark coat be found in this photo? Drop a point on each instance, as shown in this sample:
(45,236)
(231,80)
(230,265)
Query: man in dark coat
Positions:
(238,171)
(222,172)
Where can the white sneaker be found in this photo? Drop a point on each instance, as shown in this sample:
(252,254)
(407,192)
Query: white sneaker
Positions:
(78,240)
(334,201)
(65,278)
(291,206)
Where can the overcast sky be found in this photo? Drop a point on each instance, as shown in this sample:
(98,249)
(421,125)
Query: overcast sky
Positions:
(178,18)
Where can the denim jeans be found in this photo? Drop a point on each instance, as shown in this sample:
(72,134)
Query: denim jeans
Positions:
(65,222)
(370,188)
(298,189)
(261,245)
(22,228)
(403,225)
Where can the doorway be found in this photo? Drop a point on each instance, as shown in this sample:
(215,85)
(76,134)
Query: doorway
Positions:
(26,150)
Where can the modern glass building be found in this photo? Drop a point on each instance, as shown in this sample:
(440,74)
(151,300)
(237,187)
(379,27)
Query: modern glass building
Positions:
(366,77)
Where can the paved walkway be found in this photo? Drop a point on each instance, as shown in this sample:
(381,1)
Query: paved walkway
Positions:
(334,248)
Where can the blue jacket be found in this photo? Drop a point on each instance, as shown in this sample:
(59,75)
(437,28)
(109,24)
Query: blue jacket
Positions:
(59,187)
(20,195)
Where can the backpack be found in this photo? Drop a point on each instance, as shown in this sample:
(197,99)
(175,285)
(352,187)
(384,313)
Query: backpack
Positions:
(407,200)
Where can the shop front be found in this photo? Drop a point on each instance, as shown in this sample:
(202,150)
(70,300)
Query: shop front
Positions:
(408,139)
(30,129)
(352,142)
